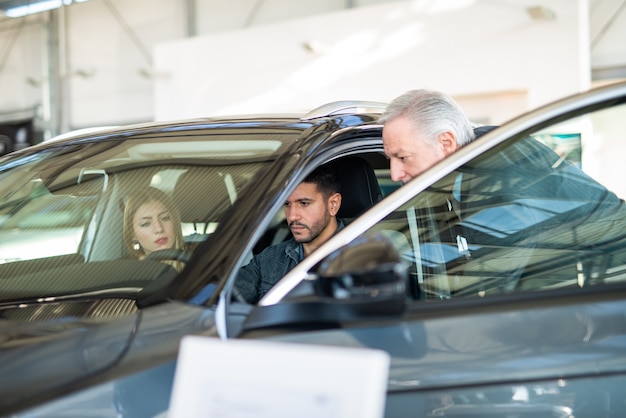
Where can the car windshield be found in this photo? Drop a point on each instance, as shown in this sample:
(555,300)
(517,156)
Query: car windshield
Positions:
(66,222)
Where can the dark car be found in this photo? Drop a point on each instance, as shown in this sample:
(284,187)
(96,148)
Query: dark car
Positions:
(496,280)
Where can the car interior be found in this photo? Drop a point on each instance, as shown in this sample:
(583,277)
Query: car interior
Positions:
(103,193)
(360,189)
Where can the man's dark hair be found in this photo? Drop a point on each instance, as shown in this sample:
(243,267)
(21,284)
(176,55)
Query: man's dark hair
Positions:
(326,180)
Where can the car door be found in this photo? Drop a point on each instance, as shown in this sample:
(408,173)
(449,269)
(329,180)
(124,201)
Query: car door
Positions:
(510,257)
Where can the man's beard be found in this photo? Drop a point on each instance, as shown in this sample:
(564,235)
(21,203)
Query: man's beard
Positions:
(314,230)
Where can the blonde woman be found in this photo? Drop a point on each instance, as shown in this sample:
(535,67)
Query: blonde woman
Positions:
(152,223)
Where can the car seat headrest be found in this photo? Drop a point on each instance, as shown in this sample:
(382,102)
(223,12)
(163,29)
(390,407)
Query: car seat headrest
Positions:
(359,187)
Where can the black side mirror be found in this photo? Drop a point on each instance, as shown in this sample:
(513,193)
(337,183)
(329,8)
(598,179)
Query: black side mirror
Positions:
(364,280)
(367,272)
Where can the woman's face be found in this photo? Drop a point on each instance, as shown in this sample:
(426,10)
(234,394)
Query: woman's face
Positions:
(153,227)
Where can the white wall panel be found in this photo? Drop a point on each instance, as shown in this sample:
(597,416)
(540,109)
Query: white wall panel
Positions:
(375,53)
(23,69)
(608,34)
(220,15)
(249,56)
(114,48)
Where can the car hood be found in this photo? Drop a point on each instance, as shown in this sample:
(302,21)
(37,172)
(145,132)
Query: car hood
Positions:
(80,365)
(40,357)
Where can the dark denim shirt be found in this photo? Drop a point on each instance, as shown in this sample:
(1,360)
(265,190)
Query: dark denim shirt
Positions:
(270,265)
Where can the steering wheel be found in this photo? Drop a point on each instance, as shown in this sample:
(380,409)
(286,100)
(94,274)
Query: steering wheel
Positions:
(184,256)
(169,254)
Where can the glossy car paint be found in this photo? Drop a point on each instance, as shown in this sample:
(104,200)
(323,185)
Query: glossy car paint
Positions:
(550,354)
(150,336)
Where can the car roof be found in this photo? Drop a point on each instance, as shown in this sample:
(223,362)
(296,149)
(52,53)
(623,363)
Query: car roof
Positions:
(318,115)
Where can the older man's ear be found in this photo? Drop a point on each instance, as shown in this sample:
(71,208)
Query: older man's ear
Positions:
(447,141)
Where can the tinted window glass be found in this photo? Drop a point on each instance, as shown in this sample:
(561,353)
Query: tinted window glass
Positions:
(528,215)
(63,211)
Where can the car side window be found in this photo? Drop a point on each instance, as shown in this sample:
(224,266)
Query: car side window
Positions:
(358,176)
(524,216)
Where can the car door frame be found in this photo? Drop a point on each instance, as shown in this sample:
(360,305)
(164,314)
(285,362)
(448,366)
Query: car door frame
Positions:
(546,115)
(421,322)
(230,313)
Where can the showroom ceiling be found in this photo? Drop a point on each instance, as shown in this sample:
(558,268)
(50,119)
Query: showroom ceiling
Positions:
(604,15)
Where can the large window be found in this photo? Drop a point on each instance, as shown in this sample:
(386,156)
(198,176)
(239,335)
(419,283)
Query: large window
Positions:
(112,216)
(520,217)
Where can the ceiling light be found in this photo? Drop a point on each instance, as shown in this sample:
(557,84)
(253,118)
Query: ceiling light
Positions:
(315,47)
(21,9)
(541,13)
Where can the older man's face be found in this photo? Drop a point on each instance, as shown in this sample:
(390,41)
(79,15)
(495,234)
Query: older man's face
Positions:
(409,153)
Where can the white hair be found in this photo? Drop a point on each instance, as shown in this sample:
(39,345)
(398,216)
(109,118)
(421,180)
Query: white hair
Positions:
(432,113)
